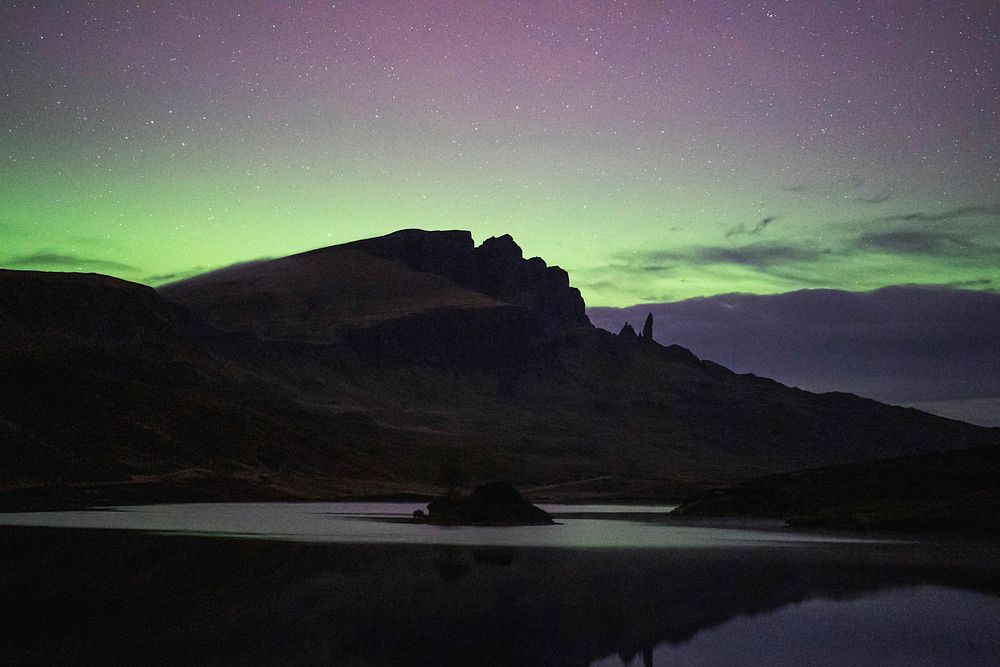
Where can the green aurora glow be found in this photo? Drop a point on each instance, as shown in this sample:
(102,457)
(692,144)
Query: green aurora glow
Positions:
(659,189)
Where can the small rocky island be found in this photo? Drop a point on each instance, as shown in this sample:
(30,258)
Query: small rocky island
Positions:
(494,504)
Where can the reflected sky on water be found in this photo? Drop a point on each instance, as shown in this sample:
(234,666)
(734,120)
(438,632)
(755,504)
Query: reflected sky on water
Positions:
(586,526)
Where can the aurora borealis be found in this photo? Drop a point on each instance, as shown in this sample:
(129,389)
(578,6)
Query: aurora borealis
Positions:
(656,150)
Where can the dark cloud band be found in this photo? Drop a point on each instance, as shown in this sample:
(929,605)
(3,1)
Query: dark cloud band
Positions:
(65,260)
(899,344)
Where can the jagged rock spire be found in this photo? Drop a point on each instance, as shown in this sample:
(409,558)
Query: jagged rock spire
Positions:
(627,331)
(647,328)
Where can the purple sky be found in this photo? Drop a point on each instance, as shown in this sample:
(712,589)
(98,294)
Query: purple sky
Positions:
(656,150)
(935,349)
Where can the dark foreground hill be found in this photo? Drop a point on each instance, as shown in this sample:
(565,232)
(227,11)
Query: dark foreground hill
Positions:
(377,366)
(953,491)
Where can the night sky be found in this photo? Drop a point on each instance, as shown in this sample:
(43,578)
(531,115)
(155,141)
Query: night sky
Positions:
(656,150)
(936,349)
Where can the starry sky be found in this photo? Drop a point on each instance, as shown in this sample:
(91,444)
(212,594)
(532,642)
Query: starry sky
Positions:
(656,150)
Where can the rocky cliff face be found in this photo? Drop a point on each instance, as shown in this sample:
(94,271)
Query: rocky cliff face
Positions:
(496,268)
(432,297)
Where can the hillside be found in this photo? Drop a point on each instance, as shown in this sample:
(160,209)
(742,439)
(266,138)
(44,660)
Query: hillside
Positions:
(952,491)
(371,367)
(307,297)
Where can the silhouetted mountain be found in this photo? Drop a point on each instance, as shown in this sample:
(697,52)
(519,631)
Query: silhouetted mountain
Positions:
(411,296)
(364,368)
(496,268)
(111,391)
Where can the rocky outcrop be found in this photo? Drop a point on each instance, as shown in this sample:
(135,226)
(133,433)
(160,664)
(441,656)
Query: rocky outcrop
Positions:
(647,328)
(627,332)
(447,253)
(496,268)
(494,504)
(503,273)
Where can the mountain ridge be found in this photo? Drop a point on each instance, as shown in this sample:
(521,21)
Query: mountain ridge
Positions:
(274,379)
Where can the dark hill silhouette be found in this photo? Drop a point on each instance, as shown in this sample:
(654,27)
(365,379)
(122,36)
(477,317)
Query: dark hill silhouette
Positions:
(364,368)
(496,268)
(309,297)
(430,297)
(953,491)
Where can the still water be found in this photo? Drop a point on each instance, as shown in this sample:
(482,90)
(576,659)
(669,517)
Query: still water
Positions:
(353,583)
(579,526)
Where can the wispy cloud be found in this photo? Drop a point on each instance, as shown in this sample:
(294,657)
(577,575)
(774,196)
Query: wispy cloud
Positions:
(752,231)
(909,243)
(943,216)
(65,260)
(760,255)
(160,278)
(852,186)
(928,242)
(975,283)
(878,196)
(786,262)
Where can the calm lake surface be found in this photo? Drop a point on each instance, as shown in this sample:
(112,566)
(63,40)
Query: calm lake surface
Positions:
(353,583)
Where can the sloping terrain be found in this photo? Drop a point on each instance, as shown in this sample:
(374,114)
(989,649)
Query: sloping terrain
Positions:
(941,491)
(306,297)
(111,391)
(372,368)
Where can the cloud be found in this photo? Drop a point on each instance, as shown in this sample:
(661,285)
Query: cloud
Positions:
(683,268)
(760,256)
(927,242)
(160,278)
(659,268)
(898,344)
(877,197)
(943,216)
(203,274)
(71,261)
(762,225)
(980,283)
(753,231)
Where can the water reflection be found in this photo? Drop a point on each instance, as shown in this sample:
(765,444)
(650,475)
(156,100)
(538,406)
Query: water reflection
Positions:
(920,625)
(135,597)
